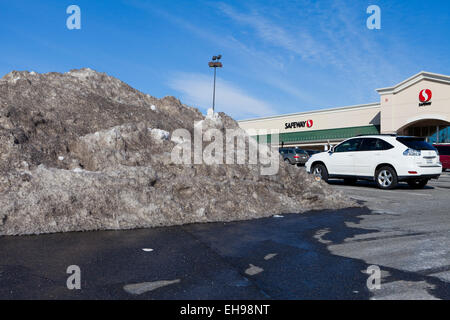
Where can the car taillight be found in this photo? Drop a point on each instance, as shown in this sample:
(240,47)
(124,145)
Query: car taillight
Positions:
(296,157)
(412,152)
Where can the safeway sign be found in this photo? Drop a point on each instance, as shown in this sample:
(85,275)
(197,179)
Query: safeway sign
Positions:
(299,124)
(425,97)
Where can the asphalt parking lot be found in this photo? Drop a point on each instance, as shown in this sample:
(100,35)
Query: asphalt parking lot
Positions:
(317,255)
(412,234)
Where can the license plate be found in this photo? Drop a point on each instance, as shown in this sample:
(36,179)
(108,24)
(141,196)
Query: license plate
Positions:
(429,161)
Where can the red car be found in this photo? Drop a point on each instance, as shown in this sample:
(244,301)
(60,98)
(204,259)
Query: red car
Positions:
(444,153)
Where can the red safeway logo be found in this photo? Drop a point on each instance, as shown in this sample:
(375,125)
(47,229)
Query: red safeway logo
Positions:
(309,123)
(425,95)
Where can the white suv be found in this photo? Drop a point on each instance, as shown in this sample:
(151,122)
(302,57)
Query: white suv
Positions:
(385,159)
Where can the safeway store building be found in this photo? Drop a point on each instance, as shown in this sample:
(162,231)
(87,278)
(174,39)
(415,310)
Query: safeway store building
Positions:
(418,106)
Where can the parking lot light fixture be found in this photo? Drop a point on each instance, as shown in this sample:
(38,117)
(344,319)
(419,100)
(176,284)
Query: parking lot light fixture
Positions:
(215,63)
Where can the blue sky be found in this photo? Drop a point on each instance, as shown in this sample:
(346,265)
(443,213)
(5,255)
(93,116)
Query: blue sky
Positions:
(279,56)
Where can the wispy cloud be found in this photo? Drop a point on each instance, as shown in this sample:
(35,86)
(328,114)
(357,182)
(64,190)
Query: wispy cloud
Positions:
(294,40)
(272,65)
(300,47)
(196,89)
(335,38)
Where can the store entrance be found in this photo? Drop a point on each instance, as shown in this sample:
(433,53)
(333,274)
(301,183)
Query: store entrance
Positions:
(433,131)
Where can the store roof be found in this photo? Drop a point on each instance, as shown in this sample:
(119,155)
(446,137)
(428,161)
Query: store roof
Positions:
(423,75)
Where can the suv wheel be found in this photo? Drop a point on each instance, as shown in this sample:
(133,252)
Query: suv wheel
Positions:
(287,161)
(386,178)
(321,171)
(418,184)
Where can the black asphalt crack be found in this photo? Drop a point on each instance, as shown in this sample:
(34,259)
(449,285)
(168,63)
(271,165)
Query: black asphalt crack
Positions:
(388,237)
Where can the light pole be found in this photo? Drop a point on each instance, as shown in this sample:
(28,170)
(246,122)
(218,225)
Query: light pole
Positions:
(215,63)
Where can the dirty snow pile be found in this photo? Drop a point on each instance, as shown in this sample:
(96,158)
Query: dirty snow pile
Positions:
(84,151)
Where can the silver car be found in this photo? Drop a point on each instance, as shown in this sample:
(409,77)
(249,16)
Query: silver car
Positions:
(294,156)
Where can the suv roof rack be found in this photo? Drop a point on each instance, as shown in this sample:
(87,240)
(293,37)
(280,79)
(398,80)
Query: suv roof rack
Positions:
(378,134)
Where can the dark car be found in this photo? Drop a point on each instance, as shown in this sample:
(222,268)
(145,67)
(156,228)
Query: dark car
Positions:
(444,155)
(311,152)
(294,155)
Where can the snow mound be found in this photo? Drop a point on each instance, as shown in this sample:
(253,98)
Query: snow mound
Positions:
(159,134)
(82,74)
(94,154)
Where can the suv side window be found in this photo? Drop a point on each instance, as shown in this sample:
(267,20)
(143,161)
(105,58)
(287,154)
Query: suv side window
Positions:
(349,145)
(374,144)
(385,145)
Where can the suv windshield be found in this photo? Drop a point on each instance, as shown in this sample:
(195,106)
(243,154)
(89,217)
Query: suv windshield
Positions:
(300,151)
(415,143)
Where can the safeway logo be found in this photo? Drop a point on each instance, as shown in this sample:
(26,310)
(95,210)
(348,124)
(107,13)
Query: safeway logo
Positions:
(298,124)
(425,95)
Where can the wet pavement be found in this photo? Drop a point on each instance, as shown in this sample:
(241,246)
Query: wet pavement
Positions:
(317,255)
